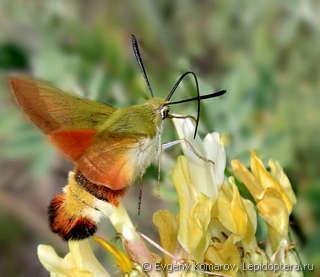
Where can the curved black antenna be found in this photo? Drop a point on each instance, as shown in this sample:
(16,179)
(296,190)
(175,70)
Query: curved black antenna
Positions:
(135,47)
(177,83)
(202,97)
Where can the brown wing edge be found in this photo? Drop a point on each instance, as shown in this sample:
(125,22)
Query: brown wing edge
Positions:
(20,85)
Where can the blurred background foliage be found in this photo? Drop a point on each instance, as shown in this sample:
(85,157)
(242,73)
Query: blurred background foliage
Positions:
(265,53)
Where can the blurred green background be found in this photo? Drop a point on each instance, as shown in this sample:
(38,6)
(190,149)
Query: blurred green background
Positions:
(265,53)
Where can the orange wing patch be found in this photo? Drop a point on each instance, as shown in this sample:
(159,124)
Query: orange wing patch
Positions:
(110,162)
(73,142)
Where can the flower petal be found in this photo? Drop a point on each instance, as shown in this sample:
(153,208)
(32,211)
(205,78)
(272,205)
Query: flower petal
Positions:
(183,184)
(246,177)
(266,180)
(185,130)
(167,229)
(84,257)
(199,169)
(195,236)
(223,208)
(252,222)
(273,210)
(215,152)
(195,212)
(231,209)
(122,223)
(225,253)
(238,212)
(211,148)
(122,259)
(278,173)
(52,262)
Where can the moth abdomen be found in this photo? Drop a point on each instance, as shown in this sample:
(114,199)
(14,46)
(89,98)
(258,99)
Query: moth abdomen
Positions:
(74,214)
(99,191)
(69,224)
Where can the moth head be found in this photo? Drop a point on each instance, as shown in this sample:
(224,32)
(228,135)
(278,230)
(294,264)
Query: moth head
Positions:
(164,112)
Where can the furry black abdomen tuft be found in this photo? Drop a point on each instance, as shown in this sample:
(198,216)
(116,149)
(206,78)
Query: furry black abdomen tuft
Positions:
(67,225)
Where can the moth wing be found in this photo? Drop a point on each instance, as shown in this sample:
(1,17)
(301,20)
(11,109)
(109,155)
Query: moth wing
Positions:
(71,122)
(110,161)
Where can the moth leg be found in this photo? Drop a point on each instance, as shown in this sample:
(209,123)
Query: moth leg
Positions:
(159,173)
(178,116)
(140,195)
(168,145)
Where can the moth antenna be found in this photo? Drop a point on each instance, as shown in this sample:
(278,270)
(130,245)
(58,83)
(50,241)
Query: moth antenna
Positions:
(174,88)
(135,47)
(202,97)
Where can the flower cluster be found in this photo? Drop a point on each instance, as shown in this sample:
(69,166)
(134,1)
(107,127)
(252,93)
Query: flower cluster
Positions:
(215,224)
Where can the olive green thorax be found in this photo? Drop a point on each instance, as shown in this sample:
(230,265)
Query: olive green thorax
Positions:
(143,119)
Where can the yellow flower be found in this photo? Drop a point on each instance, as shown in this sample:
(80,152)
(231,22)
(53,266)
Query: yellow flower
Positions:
(122,259)
(195,212)
(225,253)
(205,176)
(80,261)
(238,220)
(235,213)
(197,183)
(272,192)
(168,230)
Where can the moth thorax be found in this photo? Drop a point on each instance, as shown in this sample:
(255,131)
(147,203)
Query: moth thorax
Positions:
(144,154)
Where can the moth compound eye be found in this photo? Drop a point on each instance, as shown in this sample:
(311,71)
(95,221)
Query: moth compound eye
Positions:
(164,112)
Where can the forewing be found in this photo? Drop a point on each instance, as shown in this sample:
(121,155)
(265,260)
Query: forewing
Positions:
(110,161)
(71,122)
(52,109)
